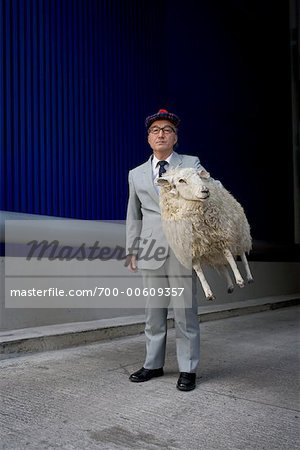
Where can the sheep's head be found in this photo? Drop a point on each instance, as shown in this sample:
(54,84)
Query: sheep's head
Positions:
(186,183)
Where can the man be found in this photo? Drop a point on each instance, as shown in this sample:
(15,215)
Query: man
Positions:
(143,227)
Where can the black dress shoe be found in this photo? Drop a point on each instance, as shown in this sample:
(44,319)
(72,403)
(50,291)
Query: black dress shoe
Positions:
(145,374)
(186,381)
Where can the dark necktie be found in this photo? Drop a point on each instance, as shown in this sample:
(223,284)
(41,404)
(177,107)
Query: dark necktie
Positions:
(162,169)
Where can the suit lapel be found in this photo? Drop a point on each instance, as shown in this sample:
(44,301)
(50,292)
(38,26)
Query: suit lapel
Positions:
(147,173)
(176,160)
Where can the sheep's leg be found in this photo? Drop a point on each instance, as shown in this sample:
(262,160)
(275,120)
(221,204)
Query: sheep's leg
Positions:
(205,286)
(238,278)
(224,270)
(247,268)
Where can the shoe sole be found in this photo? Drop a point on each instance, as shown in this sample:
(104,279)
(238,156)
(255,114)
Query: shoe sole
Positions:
(186,389)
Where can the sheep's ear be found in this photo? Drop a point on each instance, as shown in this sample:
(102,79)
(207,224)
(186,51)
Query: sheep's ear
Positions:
(204,174)
(161,181)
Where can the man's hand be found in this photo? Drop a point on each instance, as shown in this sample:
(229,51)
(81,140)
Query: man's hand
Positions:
(131,262)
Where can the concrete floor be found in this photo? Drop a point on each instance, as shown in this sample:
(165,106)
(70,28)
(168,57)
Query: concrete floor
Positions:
(247,395)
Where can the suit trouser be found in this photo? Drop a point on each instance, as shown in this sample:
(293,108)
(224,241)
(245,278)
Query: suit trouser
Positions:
(185,307)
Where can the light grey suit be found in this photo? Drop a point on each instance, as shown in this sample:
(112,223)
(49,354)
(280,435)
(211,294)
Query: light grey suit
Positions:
(144,222)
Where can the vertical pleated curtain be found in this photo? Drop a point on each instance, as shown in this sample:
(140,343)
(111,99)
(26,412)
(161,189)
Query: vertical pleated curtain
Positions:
(77,78)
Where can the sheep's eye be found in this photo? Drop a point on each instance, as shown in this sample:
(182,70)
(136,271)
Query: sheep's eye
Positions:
(181,180)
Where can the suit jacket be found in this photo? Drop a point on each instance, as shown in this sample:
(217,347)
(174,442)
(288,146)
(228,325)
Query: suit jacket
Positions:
(144,233)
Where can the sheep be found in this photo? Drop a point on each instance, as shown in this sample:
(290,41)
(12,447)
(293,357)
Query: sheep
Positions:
(204,225)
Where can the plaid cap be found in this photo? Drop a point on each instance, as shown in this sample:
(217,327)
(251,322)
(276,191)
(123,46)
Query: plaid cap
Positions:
(162,114)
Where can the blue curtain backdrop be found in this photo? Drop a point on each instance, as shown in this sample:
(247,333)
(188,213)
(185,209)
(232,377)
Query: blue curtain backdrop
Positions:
(78,78)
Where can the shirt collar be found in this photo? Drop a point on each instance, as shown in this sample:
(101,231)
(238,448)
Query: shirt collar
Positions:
(155,160)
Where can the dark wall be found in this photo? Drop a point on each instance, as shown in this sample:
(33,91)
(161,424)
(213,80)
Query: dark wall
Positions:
(78,78)
(229,78)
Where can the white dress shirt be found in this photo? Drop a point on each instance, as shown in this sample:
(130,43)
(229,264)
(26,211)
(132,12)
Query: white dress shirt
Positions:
(155,168)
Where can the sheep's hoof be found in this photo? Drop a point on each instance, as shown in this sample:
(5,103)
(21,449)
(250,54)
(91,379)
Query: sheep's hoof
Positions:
(210,297)
(230,289)
(250,280)
(241,284)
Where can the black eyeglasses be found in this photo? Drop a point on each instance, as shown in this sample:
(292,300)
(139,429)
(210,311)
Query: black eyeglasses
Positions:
(167,130)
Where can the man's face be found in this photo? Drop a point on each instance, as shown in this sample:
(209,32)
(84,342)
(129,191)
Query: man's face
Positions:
(162,140)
